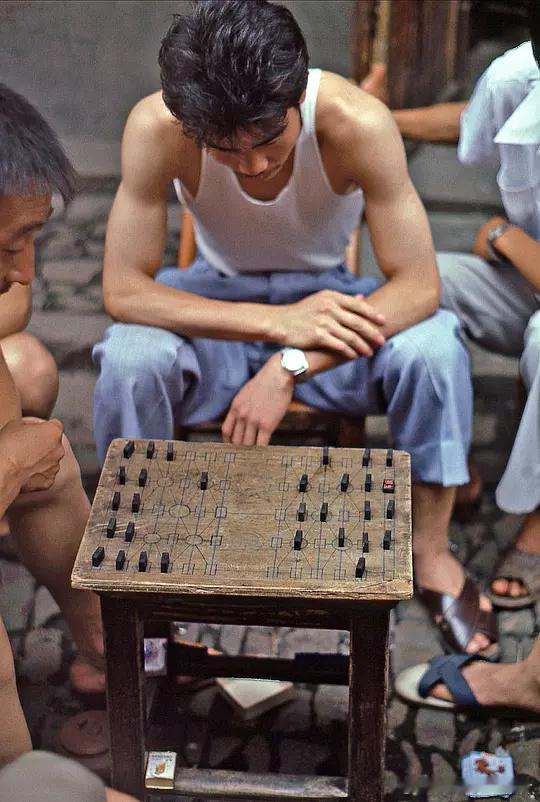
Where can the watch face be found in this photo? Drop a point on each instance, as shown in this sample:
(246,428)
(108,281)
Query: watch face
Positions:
(294,359)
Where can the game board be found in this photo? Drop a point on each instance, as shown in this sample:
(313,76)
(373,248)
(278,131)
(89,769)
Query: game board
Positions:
(175,515)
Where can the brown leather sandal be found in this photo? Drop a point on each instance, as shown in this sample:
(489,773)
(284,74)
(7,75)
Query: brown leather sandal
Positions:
(460,617)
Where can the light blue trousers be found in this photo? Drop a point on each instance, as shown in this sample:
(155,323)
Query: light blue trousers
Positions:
(150,378)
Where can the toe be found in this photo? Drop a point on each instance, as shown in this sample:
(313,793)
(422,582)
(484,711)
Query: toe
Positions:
(500,586)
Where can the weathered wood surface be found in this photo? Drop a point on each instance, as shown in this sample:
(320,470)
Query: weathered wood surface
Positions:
(216,784)
(236,537)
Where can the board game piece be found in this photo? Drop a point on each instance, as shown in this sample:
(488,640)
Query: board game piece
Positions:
(341,537)
(344,484)
(115,503)
(301,513)
(150,449)
(367,483)
(111,527)
(122,475)
(366,457)
(129,448)
(165,561)
(203,482)
(390,509)
(303,483)
(323,515)
(389,458)
(136,502)
(325,456)
(120,560)
(367,511)
(388,486)
(360,567)
(298,540)
(170,452)
(130,532)
(143,561)
(97,556)
(143,476)
(387,540)
(365,541)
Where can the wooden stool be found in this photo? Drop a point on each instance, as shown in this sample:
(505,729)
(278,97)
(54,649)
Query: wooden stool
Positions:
(276,536)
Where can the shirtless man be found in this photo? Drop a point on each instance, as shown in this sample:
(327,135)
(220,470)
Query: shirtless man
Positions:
(40,484)
(276,164)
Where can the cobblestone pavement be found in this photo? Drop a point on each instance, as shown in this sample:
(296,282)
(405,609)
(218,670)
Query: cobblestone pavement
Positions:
(309,733)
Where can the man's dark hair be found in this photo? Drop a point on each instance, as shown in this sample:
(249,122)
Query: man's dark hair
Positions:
(534,24)
(32,161)
(232,65)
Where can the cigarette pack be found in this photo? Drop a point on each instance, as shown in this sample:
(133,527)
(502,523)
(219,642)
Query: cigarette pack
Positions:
(160,769)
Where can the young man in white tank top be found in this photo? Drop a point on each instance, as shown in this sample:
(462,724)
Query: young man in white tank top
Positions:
(276,164)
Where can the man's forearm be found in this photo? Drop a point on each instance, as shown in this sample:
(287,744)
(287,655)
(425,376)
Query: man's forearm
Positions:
(438,123)
(152,304)
(523,252)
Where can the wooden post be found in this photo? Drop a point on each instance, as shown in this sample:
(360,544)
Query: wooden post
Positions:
(367,705)
(123,633)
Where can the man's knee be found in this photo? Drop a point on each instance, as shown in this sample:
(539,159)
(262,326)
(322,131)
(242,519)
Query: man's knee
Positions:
(34,373)
(433,347)
(131,354)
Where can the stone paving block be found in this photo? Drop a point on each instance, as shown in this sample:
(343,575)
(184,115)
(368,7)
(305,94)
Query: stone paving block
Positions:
(294,716)
(331,703)
(397,713)
(231,637)
(16,599)
(414,642)
(470,742)
(42,654)
(87,207)
(75,272)
(201,702)
(297,757)
(443,775)
(257,754)
(484,561)
(454,232)
(259,640)
(435,728)
(438,176)
(517,623)
(221,748)
(412,610)
(526,757)
(45,607)
(309,640)
(414,777)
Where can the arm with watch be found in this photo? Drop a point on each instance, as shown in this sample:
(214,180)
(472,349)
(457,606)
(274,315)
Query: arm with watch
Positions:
(501,241)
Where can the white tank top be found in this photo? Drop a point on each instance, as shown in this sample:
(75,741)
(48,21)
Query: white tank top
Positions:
(307,226)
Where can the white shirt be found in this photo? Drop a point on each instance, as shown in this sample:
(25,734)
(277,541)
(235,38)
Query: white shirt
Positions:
(501,128)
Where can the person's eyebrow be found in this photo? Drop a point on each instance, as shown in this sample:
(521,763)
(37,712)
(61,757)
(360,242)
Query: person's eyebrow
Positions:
(33,226)
(258,145)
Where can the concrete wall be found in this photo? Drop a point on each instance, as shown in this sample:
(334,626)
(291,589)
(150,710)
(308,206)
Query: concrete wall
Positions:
(84,63)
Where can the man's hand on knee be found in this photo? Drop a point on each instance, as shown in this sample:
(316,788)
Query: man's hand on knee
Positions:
(31,450)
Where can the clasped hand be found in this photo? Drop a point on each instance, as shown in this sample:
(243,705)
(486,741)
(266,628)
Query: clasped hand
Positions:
(31,452)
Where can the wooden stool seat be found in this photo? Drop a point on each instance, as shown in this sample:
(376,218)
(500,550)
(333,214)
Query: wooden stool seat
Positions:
(274,536)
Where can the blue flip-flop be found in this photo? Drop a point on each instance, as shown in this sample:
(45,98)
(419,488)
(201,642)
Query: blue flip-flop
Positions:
(414,684)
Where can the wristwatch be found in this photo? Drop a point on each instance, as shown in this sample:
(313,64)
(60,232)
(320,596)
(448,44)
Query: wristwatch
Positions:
(294,360)
(492,235)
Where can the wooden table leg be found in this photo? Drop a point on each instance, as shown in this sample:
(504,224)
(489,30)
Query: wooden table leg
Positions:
(123,632)
(367,705)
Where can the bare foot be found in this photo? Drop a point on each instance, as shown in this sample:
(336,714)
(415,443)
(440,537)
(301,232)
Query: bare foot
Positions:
(87,675)
(375,82)
(510,685)
(528,539)
(444,574)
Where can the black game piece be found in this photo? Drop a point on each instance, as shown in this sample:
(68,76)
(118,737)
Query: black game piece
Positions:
(115,500)
(129,448)
(324,511)
(130,532)
(387,540)
(165,560)
(120,559)
(150,448)
(390,508)
(136,502)
(360,567)
(122,475)
(367,485)
(170,452)
(302,484)
(388,486)
(143,561)
(366,457)
(341,537)
(367,511)
(389,458)
(301,514)
(325,456)
(97,556)
(298,540)
(203,482)
(365,541)
(143,476)
(344,482)
(111,527)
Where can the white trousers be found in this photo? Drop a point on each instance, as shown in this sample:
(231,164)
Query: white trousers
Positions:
(500,311)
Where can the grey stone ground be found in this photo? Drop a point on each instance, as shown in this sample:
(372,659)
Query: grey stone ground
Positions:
(309,733)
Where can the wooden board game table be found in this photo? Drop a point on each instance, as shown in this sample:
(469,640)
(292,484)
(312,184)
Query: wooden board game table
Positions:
(274,536)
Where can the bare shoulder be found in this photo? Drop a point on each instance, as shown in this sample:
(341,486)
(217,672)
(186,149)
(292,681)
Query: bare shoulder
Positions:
(153,146)
(345,112)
